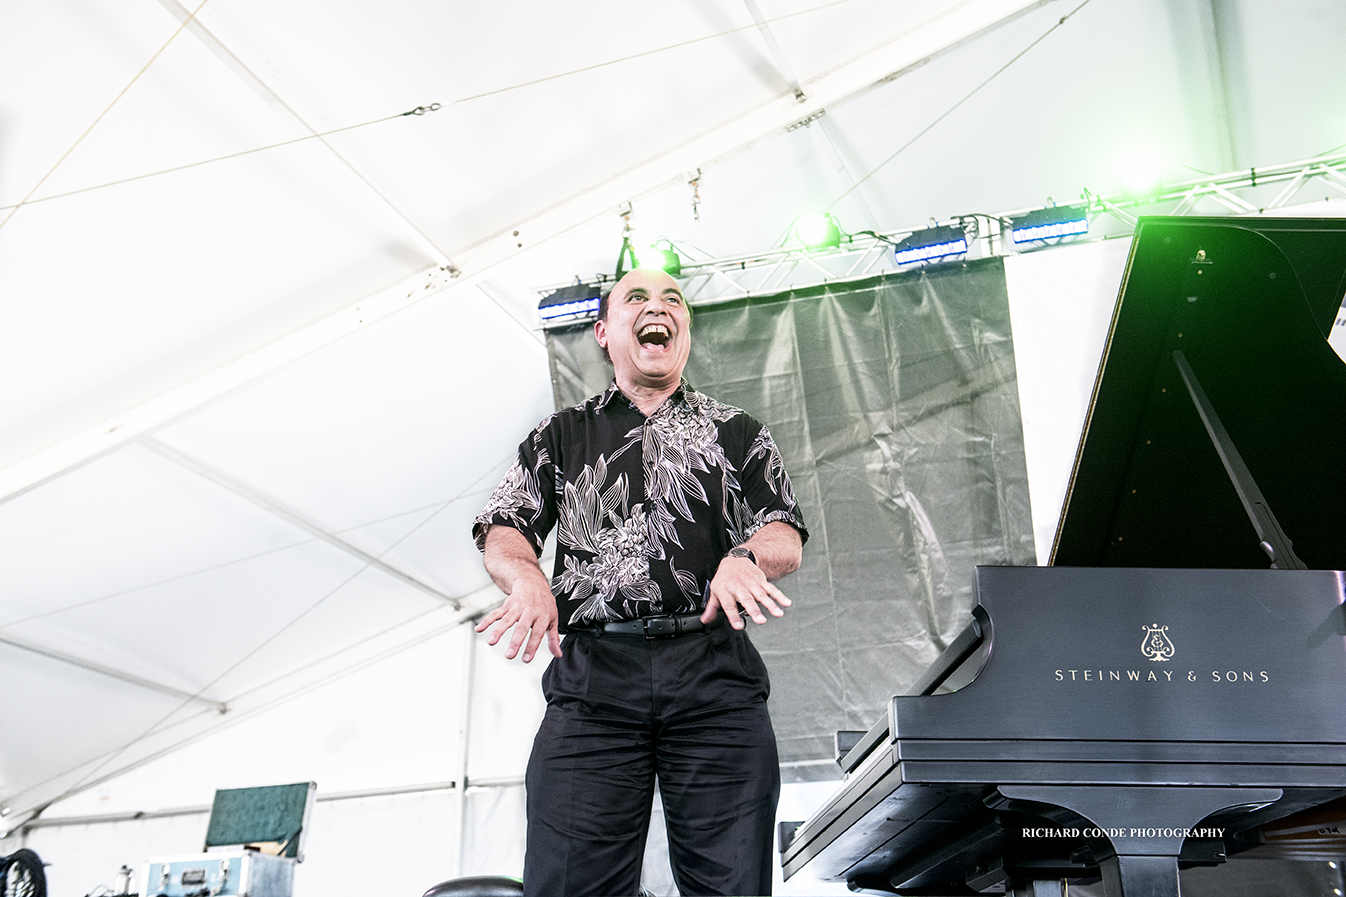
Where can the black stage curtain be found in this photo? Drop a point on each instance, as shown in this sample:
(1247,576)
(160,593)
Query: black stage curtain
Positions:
(895,403)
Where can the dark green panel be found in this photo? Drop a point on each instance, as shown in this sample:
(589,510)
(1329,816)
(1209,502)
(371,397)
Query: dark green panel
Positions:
(259,815)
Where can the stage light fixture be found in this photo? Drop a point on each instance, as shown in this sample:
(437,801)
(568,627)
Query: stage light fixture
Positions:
(1048,224)
(1141,176)
(568,301)
(818,231)
(931,243)
(665,259)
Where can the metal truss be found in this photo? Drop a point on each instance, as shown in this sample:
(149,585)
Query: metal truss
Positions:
(1249,192)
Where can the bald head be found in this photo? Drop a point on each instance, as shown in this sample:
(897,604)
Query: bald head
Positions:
(630,278)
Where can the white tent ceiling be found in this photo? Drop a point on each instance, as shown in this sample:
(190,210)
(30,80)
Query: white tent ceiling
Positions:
(251,405)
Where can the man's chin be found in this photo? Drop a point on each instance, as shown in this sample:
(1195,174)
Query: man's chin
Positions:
(658,376)
(657,361)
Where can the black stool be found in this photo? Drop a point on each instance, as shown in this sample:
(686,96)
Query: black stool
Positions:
(477,886)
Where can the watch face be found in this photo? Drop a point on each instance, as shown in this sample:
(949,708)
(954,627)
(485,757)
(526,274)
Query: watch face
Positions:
(741,552)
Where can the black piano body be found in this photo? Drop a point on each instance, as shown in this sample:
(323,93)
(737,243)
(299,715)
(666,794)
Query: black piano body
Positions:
(1156,698)
(1168,732)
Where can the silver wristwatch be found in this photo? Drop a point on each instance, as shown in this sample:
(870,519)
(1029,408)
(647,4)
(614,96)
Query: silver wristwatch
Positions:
(741,552)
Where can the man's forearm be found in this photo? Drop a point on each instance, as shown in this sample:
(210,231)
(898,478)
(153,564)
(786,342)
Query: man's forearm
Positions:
(529,608)
(778,549)
(509,557)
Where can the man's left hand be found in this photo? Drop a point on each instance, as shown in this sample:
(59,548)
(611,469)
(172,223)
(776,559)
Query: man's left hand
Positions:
(739,582)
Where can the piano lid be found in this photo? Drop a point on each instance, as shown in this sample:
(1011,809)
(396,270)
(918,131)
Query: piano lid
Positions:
(1248,304)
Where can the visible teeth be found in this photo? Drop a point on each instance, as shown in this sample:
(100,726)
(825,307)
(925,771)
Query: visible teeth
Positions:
(654,335)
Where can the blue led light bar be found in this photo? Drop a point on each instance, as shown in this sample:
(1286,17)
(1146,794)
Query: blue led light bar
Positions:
(579,299)
(931,243)
(583,306)
(1049,224)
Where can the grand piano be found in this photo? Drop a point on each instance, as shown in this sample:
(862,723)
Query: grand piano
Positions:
(1171,690)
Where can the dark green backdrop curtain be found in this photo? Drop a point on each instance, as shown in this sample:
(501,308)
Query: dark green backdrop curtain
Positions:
(895,404)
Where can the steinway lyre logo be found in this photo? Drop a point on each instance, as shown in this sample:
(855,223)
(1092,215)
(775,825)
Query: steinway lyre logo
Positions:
(1156,645)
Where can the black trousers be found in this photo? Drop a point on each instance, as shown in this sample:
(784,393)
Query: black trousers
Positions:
(620,711)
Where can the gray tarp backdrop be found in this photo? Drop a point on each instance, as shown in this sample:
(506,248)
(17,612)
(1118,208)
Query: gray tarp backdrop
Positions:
(895,404)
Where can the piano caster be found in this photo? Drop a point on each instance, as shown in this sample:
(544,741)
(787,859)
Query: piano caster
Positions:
(1039,889)
(1132,876)
(1140,876)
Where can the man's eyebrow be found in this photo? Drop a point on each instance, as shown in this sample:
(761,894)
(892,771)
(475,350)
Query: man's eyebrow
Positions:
(644,292)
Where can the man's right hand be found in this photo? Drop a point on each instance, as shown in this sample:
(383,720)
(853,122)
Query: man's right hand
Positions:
(529,608)
(531,611)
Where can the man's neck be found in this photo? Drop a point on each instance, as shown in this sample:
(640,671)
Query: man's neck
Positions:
(648,398)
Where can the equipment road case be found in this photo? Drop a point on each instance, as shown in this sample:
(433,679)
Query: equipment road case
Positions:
(255,837)
(232,873)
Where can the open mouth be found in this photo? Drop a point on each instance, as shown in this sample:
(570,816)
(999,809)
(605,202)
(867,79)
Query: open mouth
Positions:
(654,335)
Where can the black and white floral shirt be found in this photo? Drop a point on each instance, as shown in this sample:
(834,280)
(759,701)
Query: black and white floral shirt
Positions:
(645,508)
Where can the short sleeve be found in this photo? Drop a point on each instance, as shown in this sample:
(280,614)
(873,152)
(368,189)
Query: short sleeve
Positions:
(766,487)
(525,498)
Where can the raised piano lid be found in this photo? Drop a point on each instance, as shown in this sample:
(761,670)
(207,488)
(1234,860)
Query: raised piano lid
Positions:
(1249,303)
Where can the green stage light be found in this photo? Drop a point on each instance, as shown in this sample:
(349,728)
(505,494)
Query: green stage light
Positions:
(666,260)
(1141,177)
(818,231)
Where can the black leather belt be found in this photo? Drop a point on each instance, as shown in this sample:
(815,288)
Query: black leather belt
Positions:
(661,626)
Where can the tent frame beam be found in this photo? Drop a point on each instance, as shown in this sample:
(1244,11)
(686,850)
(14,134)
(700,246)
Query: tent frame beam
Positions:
(170,735)
(260,87)
(777,54)
(276,509)
(112,672)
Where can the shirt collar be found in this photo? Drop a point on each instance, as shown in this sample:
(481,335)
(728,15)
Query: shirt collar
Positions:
(678,395)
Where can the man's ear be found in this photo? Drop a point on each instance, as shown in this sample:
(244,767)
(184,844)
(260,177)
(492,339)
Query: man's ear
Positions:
(601,333)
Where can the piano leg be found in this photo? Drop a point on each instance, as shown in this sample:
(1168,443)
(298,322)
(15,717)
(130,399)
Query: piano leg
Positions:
(1146,856)
(1140,876)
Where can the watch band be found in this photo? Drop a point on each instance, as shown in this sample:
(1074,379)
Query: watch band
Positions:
(741,552)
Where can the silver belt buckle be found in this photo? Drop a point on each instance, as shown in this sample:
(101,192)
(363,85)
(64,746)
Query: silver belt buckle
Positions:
(660,627)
